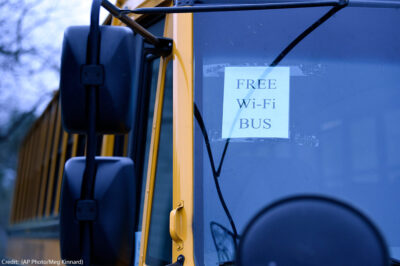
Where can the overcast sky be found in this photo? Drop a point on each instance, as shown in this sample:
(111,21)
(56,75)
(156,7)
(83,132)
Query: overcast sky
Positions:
(20,88)
(67,13)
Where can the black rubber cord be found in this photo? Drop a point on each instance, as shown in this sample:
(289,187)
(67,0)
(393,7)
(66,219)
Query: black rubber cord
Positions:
(214,172)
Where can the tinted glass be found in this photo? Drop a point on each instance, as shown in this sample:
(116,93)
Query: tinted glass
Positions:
(157,29)
(159,246)
(343,119)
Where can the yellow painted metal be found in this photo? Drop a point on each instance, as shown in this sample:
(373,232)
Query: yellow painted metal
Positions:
(30,176)
(30,172)
(29,248)
(36,170)
(17,186)
(175,226)
(33,172)
(42,155)
(74,145)
(23,177)
(153,151)
(54,155)
(132,4)
(60,172)
(107,147)
(51,128)
(126,141)
(27,177)
(183,131)
(38,167)
(23,181)
(17,190)
(153,155)
(26,180)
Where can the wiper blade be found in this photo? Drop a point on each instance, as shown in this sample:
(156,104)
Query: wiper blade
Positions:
(236,7)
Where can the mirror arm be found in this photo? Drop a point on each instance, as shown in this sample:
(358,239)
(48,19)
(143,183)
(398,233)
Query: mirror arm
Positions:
(163,45)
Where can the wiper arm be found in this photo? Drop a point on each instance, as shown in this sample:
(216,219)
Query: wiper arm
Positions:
(236,7)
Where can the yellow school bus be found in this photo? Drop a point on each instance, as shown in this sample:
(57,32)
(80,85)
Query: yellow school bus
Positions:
(253,133)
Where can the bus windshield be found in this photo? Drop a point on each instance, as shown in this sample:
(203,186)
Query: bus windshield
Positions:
(325,120)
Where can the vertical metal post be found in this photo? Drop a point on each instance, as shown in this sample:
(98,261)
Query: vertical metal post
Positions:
(87,191)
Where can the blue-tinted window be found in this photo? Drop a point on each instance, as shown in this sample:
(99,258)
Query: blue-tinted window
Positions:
(344,118)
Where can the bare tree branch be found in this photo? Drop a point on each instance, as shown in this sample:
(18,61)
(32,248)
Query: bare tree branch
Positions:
(22,117)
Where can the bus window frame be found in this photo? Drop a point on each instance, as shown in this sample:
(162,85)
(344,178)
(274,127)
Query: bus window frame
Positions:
(180,28)
(183,124)
(154,147)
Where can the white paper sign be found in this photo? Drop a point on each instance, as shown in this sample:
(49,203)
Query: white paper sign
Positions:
(256,102)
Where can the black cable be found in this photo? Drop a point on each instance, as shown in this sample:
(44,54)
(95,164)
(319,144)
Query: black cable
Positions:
(278,59)
(223,156)
(305,33)
(286,51)
(199,119)
(214,172)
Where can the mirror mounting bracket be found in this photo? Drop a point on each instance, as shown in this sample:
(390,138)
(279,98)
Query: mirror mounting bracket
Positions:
(163,44)
(163,49)
(92,75)
(86,210)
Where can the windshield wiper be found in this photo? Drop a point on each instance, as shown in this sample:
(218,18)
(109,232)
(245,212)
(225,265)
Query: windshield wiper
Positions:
(198,8)
(217,171)
(236,7)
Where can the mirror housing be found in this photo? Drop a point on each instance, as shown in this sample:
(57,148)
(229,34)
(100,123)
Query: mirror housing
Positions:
(113,228)
(116,97)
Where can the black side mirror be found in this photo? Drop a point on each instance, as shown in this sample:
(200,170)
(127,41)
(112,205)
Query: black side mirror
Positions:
(113,226)
(99,67)
(312,231)
(114,78)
